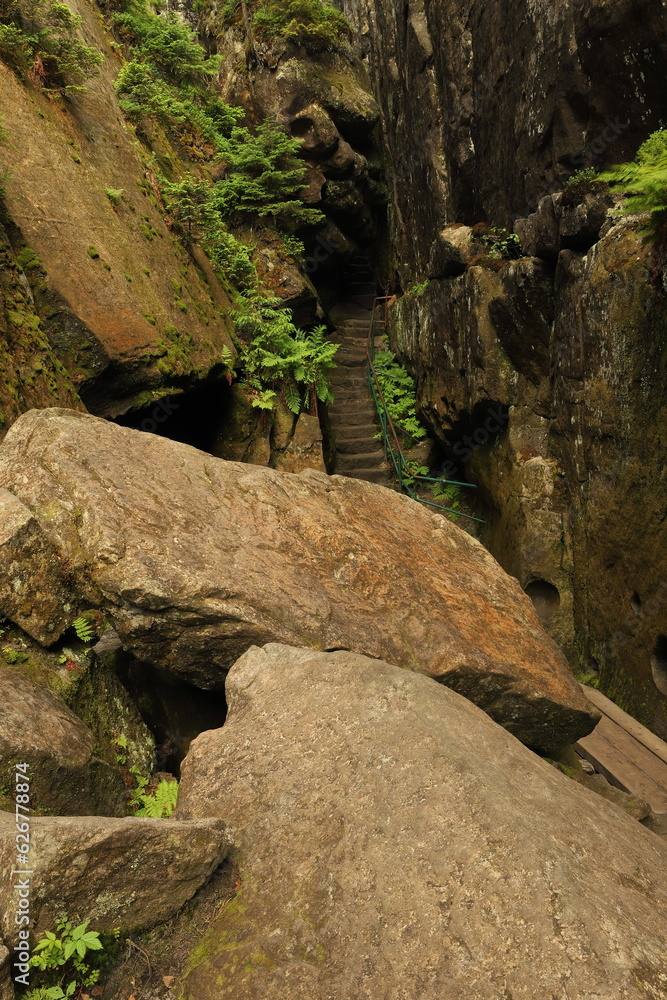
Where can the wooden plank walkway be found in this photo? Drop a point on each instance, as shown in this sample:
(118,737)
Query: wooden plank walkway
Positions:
(626,753)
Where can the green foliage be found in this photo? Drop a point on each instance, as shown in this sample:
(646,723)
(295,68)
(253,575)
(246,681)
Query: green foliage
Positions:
(165,43)
(192,115)
(84,628)
(502,244)
(114,195)
(644,182)
(166,80)
(41,36)
(161,803)
(195,216)
(13,656)
(398,389)
(264,176)
(63,956)
(278,357)
(315,24)
(585,176)
(448,495)
(420,288)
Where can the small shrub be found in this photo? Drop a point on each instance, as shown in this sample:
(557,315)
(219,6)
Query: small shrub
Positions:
(63,956)
(584,176)
(315,24)
(502,244)
(40,36)
(264,177)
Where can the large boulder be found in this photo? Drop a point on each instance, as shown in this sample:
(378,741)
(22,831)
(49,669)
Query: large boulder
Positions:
(38,729)
(127,873)
(195,559)
(395,842)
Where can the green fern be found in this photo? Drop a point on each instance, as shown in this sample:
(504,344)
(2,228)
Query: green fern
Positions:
(84,628)
(278,357)
(161,803)
(398,389)
(644,182)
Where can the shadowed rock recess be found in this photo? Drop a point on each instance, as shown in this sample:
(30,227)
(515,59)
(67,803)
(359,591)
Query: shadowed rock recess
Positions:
(195,559)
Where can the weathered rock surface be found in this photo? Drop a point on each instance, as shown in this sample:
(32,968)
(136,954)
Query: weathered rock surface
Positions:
(395,842)
(31,577)
(124,309)
(196,559)
(304,450)
(128,873)
(6,988)
(37,728)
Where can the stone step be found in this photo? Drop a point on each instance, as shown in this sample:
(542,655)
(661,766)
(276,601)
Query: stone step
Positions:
(348,417)
(363,460)
(356,446)
(378,476)
(355,432)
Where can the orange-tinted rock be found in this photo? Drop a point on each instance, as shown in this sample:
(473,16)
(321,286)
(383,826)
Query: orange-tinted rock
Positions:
(195,559)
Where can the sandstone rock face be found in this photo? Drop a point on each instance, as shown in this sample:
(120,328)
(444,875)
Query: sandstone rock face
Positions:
(196,559)
(124,310)
(395,842)
(490,111)
(37,728)
(128,873)
(304,450)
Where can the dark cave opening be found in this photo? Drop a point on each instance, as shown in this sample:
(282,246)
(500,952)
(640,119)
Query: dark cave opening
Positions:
(175,711)
(196,417)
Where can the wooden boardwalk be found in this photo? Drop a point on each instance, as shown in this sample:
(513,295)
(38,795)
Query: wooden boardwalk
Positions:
(626,753)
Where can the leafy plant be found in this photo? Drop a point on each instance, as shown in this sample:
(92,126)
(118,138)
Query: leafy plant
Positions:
(13,656)
(502,244)
(448,495)
(62,956)
(161,803)
(264,176)
(584,176)
(192,206)
(40,36)
(84,628)
(165,43)
(114,195)
(644,182)
(315,24)
(398,389)
(419,288)
(278,357)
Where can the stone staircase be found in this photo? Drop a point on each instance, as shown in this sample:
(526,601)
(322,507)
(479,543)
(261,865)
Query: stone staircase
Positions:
(352,419)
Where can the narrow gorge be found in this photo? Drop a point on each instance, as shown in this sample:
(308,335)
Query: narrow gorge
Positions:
(333,500)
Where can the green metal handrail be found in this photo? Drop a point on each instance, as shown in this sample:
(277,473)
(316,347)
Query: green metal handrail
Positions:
(392,444)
